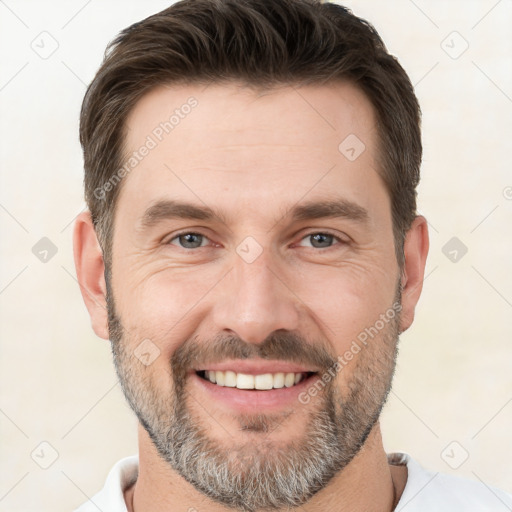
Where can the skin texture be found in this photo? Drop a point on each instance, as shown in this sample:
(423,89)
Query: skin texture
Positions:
(253,157)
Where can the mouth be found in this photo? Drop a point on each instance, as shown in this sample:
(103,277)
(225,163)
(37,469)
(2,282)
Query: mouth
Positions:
(253,386)
(261,382)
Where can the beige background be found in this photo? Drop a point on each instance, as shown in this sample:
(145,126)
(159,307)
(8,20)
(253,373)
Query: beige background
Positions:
(454,377)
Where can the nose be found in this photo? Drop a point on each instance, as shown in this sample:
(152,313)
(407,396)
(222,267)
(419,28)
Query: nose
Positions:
(254,301)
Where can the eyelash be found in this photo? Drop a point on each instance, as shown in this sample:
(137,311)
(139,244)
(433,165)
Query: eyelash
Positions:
(321,249)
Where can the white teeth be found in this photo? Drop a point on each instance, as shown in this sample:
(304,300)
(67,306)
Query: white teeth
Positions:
(278,380)
(230,379)
(246,381)
(289,380)
(265,381)
(219,378)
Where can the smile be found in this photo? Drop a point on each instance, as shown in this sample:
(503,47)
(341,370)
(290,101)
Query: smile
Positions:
(263,381)
(252,385)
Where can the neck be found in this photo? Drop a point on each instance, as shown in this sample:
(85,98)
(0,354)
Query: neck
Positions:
(367,484)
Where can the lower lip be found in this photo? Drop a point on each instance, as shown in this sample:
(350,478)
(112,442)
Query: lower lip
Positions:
(253,400)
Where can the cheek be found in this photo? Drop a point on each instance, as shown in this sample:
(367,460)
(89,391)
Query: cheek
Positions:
(347,301)
(161,305)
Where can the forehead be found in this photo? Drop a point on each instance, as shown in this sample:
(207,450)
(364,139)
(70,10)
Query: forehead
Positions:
(241,147)
(233,112)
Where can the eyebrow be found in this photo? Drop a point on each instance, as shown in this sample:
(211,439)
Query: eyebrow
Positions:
(167,209)
(339,208)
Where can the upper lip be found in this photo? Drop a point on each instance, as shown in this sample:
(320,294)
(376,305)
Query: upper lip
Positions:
(256,367)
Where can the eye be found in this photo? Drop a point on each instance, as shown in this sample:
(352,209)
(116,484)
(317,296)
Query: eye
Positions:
(320,240)
(189,240)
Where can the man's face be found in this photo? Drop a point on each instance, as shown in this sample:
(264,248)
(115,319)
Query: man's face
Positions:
(269,284)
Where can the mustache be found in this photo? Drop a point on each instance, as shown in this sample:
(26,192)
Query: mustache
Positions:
(279,345)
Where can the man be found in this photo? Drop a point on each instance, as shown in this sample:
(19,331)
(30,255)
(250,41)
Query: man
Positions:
(253,252)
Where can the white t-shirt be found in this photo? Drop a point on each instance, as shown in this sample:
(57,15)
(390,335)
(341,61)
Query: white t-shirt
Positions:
(425,491)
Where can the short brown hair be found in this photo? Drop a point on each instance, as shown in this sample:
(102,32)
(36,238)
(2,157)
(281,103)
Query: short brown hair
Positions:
(261,43)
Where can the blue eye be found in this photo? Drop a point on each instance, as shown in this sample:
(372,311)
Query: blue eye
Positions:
(320,240)
(189,240)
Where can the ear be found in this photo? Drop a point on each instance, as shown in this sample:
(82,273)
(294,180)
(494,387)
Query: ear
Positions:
(90,270)
(415,253)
